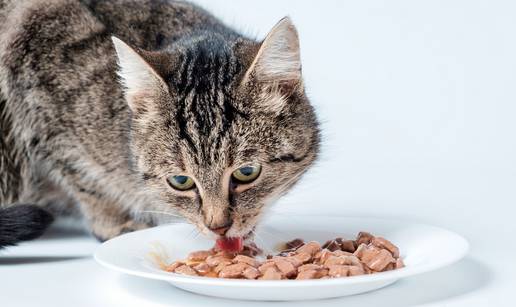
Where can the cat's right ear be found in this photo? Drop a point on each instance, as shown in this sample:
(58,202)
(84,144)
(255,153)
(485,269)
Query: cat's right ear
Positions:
(139,78)
(277,62)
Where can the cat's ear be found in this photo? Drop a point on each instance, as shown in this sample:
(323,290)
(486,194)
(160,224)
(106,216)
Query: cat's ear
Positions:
(278,61)
(138,77)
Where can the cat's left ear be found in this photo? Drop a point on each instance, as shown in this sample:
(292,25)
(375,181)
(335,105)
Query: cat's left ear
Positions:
(139,78)
(278,62)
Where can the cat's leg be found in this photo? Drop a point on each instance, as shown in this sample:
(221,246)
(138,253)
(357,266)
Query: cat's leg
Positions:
(106,199)
(69,182)
(77,194)
(106,218)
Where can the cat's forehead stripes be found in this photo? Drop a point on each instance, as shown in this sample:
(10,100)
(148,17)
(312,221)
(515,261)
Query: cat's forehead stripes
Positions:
(204,103)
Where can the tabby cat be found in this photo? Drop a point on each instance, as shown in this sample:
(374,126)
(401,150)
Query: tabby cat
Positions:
(123,112)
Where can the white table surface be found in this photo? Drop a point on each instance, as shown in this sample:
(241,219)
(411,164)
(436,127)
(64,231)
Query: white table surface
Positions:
(418,105)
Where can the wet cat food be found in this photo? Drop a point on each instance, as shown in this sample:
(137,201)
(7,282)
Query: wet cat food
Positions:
(366,254)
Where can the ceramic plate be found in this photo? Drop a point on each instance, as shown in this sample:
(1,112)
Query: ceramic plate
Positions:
(423,248)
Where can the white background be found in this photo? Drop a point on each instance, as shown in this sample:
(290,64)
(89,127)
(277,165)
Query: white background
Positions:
(418,103)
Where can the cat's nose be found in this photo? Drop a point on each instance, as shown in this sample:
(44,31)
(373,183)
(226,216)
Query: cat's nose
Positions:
(221,230)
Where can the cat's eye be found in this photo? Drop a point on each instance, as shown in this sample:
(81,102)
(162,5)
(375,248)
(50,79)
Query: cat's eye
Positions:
(181,183)
(246,174)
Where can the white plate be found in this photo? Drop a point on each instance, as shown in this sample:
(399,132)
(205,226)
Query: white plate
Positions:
(423,249)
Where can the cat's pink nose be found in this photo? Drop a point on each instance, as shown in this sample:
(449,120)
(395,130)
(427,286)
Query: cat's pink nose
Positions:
(221,230)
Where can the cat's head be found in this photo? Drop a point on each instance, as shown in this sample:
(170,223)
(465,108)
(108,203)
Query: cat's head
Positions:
(221,125)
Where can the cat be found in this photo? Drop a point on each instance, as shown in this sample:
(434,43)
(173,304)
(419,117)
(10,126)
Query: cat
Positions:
(127,112)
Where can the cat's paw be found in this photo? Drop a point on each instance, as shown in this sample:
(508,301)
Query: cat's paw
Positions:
(106,232)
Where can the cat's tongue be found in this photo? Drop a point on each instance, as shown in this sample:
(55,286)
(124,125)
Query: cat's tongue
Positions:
(230,244)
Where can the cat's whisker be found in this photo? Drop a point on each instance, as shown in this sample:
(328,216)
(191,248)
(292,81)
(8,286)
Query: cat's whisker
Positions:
(277,213)
(174,223)
(277,237)
(286,215)
(282,237)
(283,188)
(305,214)
(160,212)
(197,234)
(262,243)
(192,232)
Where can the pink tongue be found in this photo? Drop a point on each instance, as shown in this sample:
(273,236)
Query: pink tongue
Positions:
(230,244)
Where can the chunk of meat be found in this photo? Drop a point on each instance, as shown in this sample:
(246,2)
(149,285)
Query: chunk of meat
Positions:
(173,266)
(364,238)
(355,270)
(295,261)
(345,270)
(342,260)
(286,268)
(271,274)
(391,266)
(307,274)
(322,273)
(264,267)
(216,260)
(310,248)
(399,263)
(338,270)
(348,246)
(373,257)
(294,244)
(302,257)
(309,266)
(185,270)
(233,270)
(331,245)
(202,268)
(342,253)
(323,255)
(246,259)
(192,263)
(311,271)
(380,261)
(220,267)
(386,244)
(199,255)
(251,273)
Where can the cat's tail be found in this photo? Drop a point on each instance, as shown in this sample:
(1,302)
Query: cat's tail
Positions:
(22,222)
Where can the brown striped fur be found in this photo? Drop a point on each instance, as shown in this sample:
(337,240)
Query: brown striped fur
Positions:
(74,140)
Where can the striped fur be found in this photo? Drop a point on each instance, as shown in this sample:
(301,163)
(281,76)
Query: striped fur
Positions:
(78,139)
